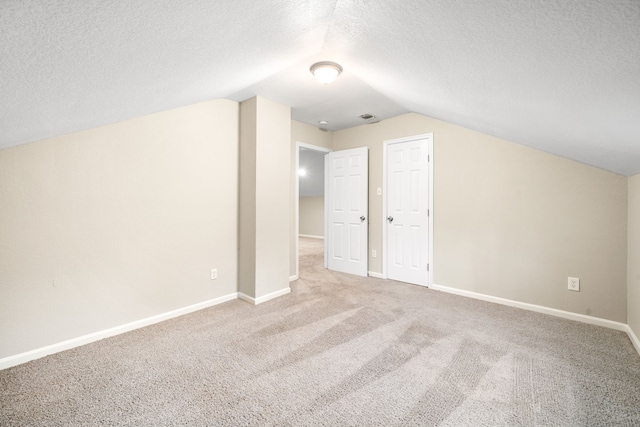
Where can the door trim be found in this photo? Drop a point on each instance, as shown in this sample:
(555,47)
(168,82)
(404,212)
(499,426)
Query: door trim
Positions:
(385,144)
(297,201)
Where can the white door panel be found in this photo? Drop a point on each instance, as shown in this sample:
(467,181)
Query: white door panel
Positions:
(347,210)
(407,211)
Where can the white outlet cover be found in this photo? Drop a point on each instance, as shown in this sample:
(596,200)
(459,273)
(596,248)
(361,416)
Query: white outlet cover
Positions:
(574,284)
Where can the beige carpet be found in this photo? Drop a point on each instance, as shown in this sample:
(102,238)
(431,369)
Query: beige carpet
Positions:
(339,350)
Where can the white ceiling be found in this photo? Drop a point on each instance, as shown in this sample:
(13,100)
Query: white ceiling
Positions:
(562,76)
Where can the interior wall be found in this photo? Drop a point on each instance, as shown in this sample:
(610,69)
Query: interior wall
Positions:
(311,214)
(633,264)
(510,221)
(116,224)
(301,132)
(273,193)
(247,196)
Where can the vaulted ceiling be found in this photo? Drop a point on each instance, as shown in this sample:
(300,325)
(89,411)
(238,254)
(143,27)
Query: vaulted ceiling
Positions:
(562,76)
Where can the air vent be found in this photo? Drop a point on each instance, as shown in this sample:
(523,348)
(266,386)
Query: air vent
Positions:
(367,116)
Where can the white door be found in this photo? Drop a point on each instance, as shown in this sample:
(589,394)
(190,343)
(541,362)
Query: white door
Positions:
(347,210)
(407,204)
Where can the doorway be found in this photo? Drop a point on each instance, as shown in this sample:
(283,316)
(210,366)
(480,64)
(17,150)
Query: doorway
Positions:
(310,185)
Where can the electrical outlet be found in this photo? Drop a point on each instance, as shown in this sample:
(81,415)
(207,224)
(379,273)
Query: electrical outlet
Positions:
(574,284)
(374,253)
(214,273)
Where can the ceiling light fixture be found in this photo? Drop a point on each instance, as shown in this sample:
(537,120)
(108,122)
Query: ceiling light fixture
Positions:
(323,122)
(326,72)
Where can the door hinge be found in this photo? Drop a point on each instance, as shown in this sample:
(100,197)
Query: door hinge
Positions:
(427,267)
(428,212)
(428,158)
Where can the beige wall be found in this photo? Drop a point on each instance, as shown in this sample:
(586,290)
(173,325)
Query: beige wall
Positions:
(247,196)
(265,134)
(111,225)
(301,132)
(311,213)
(115,224)
(633,265)
(510,221)
(273,190)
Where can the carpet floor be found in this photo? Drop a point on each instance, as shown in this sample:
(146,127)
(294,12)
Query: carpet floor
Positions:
(338,350)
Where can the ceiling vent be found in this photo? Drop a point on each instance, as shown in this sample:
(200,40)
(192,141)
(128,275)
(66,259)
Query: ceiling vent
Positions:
(367,116)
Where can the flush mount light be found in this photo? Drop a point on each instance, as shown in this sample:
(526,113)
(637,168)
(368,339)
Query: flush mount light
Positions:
(323,122)
(325,72)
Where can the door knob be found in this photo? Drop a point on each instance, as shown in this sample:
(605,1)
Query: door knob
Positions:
(362,218)
(390,218)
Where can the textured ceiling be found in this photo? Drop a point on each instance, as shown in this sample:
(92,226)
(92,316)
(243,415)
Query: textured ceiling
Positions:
(340,104)
(562,76)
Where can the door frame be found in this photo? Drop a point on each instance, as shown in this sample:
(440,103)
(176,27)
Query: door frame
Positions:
(297,202)
(385,144)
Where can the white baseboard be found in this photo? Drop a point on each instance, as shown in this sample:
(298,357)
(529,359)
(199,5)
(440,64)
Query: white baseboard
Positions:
(311,236)
(294,278)
(264,298)
(634,338)
(537,308)
(18,359)
(376,275)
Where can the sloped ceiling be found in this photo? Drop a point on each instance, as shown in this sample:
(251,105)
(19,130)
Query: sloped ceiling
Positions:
(562,76)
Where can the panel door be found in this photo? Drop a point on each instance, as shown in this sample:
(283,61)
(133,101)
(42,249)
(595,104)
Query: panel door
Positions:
(347,210)
(407,211)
